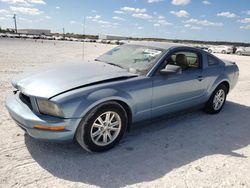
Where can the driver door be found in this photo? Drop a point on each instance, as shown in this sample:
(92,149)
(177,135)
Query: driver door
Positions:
(173,92)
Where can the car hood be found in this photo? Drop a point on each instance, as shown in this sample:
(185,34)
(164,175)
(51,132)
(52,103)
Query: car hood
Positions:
(56,80)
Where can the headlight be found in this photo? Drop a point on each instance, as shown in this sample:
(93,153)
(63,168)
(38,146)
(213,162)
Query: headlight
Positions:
(49,108)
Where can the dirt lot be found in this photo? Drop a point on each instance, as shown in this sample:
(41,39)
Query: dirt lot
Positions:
(189,150)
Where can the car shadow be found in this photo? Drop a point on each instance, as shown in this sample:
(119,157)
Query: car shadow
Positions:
(150,151)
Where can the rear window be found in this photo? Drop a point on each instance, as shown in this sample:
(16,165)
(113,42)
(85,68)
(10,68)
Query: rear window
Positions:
(212,61)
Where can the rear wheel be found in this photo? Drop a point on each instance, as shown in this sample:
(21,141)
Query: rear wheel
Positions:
(224,52)
(239,53)
(102,128)
(217,100)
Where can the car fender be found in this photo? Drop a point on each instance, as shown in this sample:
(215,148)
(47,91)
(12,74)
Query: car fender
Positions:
(217,82)
(97,97)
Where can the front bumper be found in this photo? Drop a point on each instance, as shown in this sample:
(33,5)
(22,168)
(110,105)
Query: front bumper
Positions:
(26,119)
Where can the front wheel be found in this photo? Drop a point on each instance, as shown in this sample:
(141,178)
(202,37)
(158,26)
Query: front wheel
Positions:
(217,100)
(102,128)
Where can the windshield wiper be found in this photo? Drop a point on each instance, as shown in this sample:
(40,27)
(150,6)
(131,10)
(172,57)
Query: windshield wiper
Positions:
(115,65)
(110,63)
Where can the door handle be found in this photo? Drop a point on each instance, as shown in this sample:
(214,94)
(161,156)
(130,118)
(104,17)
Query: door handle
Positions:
(200,78)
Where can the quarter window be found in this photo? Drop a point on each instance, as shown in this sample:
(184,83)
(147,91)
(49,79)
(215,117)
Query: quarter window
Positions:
(212,61)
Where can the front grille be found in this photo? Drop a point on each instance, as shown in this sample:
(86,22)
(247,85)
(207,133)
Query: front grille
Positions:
(25,99)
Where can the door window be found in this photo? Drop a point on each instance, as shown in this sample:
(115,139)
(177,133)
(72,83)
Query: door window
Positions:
(184,59)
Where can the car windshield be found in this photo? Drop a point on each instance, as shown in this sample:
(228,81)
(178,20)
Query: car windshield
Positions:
(134,58)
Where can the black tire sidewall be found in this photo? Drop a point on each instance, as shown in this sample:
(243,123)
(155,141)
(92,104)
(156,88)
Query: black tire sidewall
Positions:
(86,125)
(209,106)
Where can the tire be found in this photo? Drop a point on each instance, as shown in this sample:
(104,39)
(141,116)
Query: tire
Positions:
(223,51)
(210,106)
(87,132)
(239,53)
(210,51)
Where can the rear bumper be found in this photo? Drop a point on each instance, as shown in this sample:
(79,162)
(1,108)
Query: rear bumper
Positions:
(26,119)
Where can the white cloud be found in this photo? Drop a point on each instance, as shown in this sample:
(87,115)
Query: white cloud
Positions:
(107,26)
(140,28)
(142,16)
(154,1)
(192,27)
(94,18)
(161,17)
(4,11)
(133,10)
(2,18)
(57,7)
(26,10)
(159,21)
(103,22)
(118,12)
(206,2)
(157,25)
(245,20)
(118,18)
(48,17)
(227,14)
(73,22)
(12,1)
(245,27)
(163,22)
(24,2)
(37,1)
(196,28)
(247,12)
(180,2)
(204,22)
(17,2)
(180,14)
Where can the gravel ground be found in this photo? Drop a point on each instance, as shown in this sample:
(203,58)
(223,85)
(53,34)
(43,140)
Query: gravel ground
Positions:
(190,150)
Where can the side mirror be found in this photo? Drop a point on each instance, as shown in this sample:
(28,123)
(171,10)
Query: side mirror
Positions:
(171,69)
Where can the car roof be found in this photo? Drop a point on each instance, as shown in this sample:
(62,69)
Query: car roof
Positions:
(161,45)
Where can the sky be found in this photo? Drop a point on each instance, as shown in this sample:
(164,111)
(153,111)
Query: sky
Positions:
(216,20)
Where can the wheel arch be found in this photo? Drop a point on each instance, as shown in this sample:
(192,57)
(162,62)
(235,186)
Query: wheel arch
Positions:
(128,111)
(225,83)
(216,84)
(122,102)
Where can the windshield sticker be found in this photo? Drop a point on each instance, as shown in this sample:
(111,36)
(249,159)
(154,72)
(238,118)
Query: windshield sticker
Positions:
(151,52)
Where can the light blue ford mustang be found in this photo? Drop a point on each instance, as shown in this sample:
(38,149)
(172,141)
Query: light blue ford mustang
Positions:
(96,102)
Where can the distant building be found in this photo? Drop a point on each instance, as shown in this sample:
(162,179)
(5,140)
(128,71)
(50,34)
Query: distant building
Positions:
(34,31)
(112,37)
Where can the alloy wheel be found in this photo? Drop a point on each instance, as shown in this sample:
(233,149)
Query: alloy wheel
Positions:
(219,99)
(106,128)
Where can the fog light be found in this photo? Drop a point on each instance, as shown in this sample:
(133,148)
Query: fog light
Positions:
(54,128)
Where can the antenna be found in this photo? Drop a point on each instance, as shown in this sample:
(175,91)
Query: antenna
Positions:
(14,17)
(63,33)
(83,38)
